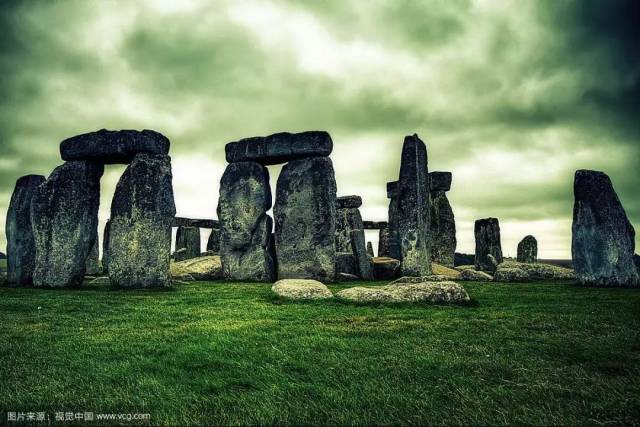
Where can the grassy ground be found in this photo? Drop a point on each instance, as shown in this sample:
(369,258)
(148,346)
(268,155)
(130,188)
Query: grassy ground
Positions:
(211,353)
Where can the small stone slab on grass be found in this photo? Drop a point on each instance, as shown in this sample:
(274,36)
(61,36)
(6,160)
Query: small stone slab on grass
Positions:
(201,268)
(471,275)
(512,271)
(431,292)
(301,289)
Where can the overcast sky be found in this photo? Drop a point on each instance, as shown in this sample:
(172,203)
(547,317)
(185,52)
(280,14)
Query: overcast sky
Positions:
(511,96)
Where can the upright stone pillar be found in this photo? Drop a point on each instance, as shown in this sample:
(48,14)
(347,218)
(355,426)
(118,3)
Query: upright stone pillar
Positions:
(383,242)
(21,251)
(187,238)
(245,227)
(64,216)
(603,239)
(213,243)
(363,263)
(105,247)
(443,223)
(488,246)
(528,250)
(93,259)
(348,218)
(414,209)
(305,216)
(394,239)
(142,212)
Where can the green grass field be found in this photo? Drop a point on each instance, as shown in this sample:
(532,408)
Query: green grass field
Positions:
(213,353)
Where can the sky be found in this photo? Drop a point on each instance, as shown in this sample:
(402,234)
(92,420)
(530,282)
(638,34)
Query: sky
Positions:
(510,96)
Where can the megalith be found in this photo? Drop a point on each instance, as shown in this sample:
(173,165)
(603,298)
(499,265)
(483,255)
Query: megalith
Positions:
(93,267)
(370,249)
(113,146)
(189,239)
(348,218)
(245,226)
(213,243)
(305,217)
(528,250)
(443,223)
(105,246)
(64,217)
(21,251)
(413,213)
(280,147)
(603,239)
(384,238)
(488,246)
(142,212)
(363,263)
(394,240)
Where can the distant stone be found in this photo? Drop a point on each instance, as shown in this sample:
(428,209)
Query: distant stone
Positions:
(460,259)
(423,292)
(180,254)
(513,271)
(440,181)
(345,277)
(370,249)
(363,262)
(384,237)
(105,247)
(179,221)
(3,255)
(443,229)
(213,243)
(374,225)
(442,270)
(414,209)
(528,250)
(394,240)
(346,263)
(603,239)
(471,275)
(348,202)
(100,281)
(109,146)
(187,238)
(20,242)
(201,268)
(367,295)
(385,268)
(301,290)
(392,189)
(245,226)
(636,260)
(93,267)
(305,216)
(347,220)
(64,216)
(465,267)
(487,234)
(409,280)
(280,147)
(142,212)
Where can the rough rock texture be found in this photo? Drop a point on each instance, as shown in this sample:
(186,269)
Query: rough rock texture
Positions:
(471,275)
(362,260)
(636,260)
(305,214)
(201,268)
(189,239)
(93,267)
(142,212)
(440,181)
(345,202)
(603,242)
(346,263)
(109,146)
(430,278)
(370,249)
(180,221)
(413,209)
(374,225)
(384,238)
(100,281)
(487,233)
(245,227)
(105,247)
(429,292)
(300,290)
(528,250)
(347,220)
(64,216)
(21,248)
(280,147)
(442,270)
(512,271)
(443,229)
(463,259)
(213,244)
(394,241)
(346,277)
(385,268)
(465,267)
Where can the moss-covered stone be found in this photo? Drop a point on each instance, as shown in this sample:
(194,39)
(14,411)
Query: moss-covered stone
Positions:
(187,238)
(487,234)
(528,250)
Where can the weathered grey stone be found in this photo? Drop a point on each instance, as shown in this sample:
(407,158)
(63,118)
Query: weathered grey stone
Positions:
(346,277)
(440,181)
(346,263)
(142,212)
(200,268)
(21,250)
(180,221)
(305,215)
(189,239)
(463,259)
(347,220)
(636,260)
(100,281)
(362,260)
(512,271)
(384,242)
(105,247)
(471,275)
(385,268)
(442,270)
(345,202)
(109,146)
(370,249)
(422,292)
(93,267)
(301,290)
(392,190)
(487,234)
(64,216)
(280,147)
(408,280)
(414,209)
(603,242)
(374,225)
(528,250)
(443,229)
(394,241)
(213,244)
(245,227)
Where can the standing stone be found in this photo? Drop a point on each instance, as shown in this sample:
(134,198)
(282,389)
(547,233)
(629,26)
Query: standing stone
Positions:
(280,147)
(21,251)
(528,250)
(364,268)
(213,244)
(348,218)
(105,247)
(370,249)
(189,239)
(93,259)
(394,240)
(603,242)
(64,216)
(414,209)
(443,223)
(142,211)
(383,242)
(488,247)
(305,215)
(245,227)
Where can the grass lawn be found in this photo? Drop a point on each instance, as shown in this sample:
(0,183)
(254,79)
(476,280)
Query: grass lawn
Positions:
(214,353)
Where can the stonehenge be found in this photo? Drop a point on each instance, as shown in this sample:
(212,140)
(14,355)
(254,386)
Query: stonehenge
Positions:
(393,246)
(348,218)
(187,238)
(488,246)
(528,250)
(108,147)
(93,266)
(603,242)
(280,147)
(443,224)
